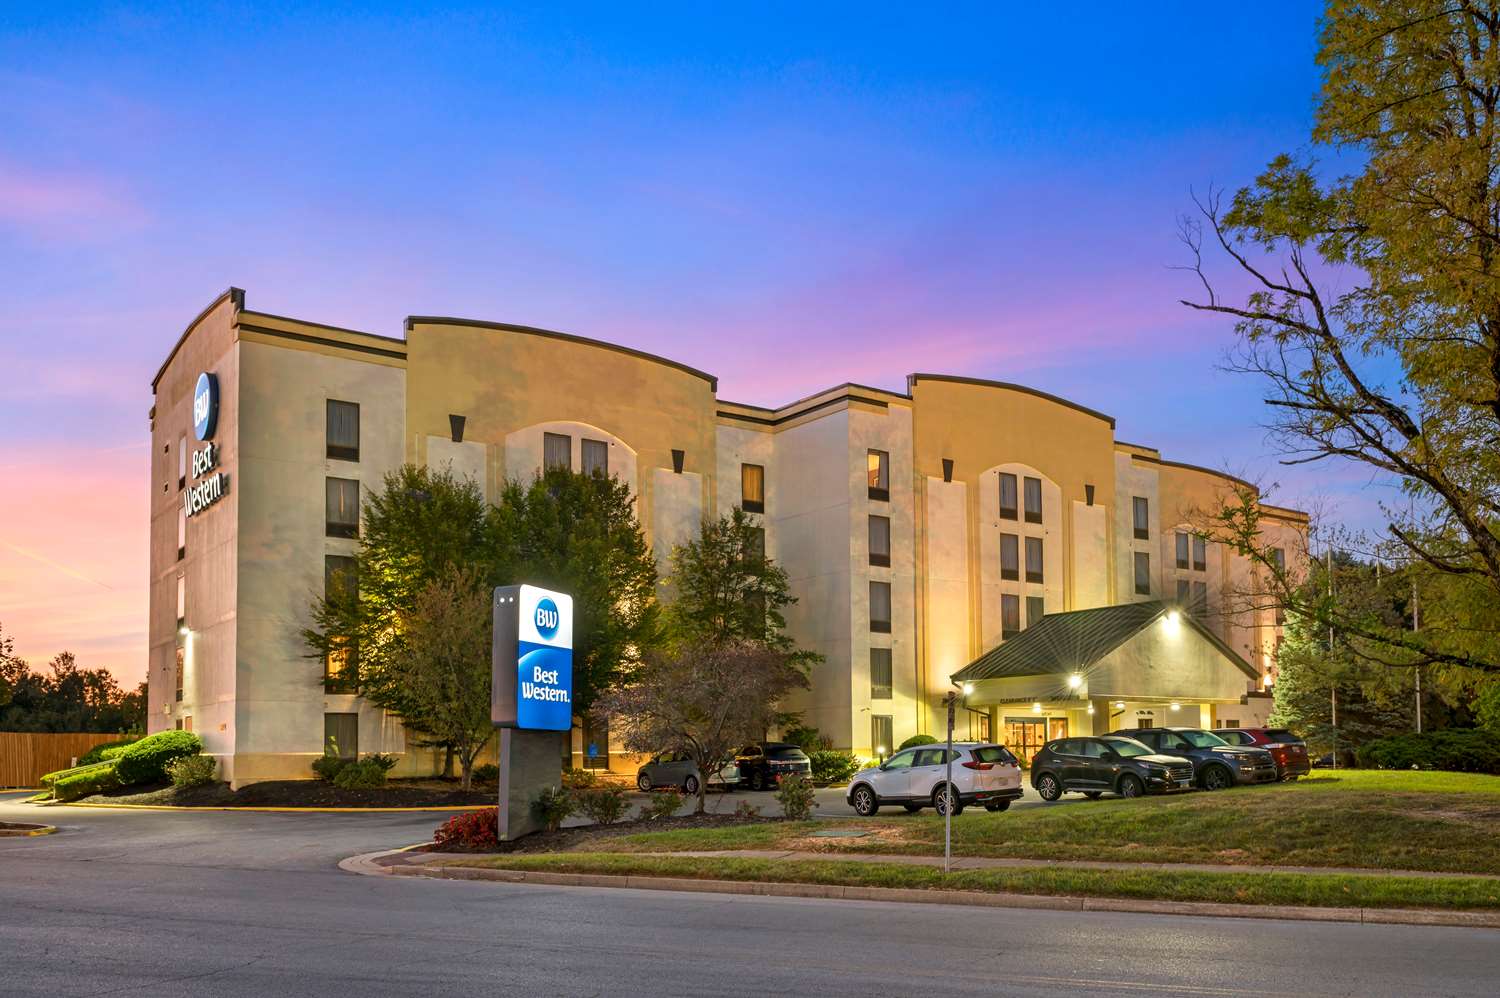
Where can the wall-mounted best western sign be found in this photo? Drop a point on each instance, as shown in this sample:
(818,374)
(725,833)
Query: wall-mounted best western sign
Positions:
(202,494)
(532,661)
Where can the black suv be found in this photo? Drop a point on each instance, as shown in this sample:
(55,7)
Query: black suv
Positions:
(763,766)
(1216,763)
(1092,766)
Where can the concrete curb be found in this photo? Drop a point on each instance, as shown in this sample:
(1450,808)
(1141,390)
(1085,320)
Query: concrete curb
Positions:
(21,833)
(368,865)
(271,810)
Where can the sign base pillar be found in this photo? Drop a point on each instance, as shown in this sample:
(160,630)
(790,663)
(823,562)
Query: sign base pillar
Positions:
(529,764)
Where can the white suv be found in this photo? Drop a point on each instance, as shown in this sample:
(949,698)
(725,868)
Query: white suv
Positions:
(982,774)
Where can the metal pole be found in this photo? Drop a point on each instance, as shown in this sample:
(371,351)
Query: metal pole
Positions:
(1416,625)
(948,789)
(1333,689)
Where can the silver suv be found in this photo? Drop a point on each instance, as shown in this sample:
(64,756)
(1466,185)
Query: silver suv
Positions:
(914,778)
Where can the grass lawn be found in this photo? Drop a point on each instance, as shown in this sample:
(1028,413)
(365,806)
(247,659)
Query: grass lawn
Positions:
(1444,822)
(1320,890)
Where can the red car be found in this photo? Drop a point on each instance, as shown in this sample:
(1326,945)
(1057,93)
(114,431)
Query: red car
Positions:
(1289,751)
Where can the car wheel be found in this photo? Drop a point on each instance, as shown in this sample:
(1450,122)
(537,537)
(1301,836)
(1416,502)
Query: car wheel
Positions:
(1131,786)
(1048,787)
(643,781)
(690,786)
(864,800)
(941,798)
(1290,779)
(757,780)
(1093,794)
(1217,778)
(996,805)
(912,808)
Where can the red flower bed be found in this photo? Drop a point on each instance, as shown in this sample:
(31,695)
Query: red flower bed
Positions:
(472,830)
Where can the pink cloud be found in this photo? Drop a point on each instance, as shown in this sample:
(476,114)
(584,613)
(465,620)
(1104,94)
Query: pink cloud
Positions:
(71,204)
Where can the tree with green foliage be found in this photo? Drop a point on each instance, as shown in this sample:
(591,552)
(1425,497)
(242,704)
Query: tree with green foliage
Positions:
(1374,320)
(66,697)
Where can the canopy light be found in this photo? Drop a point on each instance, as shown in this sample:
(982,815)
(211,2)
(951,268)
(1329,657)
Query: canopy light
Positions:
(1036,708)
(968,688)
(1091,708)
(1075,680)
(1174,617)
(1119,705)
(1176,705)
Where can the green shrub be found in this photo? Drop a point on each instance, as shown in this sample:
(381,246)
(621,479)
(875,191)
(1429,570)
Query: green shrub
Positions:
(86,780)
(605,805)
(916,740)
(105,750)
(146,760)
(50,778)
(797,797)
(327,767)
(807,738)
(663,804)
(746,811)
(193,770)
(552,807)
(366,774)
(832,766)
(487,773)
(384,760)
(1459,750)
(579,779)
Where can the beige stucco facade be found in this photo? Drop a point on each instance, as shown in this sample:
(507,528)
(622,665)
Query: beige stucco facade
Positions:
(479,398)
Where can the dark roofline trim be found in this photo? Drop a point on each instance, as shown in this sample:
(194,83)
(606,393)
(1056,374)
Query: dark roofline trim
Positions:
(324,325)
(1127,443)
(777,421)
(1199,468)
(438,320)
(912,379)
(237,295)
(323,341)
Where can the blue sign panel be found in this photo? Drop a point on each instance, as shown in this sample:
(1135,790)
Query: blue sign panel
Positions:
(205,406)
(544,687)
(533,659)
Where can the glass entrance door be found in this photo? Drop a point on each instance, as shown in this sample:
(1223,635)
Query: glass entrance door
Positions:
(1025,736)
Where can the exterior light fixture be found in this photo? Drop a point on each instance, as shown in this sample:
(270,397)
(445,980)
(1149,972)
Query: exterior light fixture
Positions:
(968,688)
(1176,705)
(1036,708)
(1075,681)
(1265,681)
(1174,617)
(1119,705)
(1091,708)
(183,630)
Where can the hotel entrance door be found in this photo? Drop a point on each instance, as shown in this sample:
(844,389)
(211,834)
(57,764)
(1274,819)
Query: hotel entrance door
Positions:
(1025,736)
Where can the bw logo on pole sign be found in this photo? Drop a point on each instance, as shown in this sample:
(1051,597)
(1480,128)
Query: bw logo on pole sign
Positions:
(533,659)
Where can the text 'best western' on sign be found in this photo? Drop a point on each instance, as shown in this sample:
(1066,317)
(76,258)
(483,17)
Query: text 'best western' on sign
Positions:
(532,660)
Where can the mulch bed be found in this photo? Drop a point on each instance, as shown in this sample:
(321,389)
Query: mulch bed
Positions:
(581,838)
(302,793)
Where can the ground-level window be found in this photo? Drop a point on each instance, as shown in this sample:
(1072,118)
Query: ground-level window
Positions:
(341,735)
(557,451)
(1025,736)
(880,673)
(595,742)
(979,725)
(1231,722)
(1145,722)
(881,728)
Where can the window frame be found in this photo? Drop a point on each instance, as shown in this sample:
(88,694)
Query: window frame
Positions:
(882,691)
(880,559)
(748,471)
(340,528)
(1010,543)
(1035,602)
(1013,511)
(600,447)
(339,451)
(1036,544)
(1028,486)
(877,625)
(1140,513)
(1200,553)
(1010,616)
(1142,560)
(878,484)
(548,437)
(882,734)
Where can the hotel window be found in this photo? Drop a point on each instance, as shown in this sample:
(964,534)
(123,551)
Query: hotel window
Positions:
(595,457)
(341,516)
(880,540)
(1010,616)
(1033,559)
(1033,496)
(879,465)
(1009,557)
(343,430)
(1278,560)
(557,451)
(1142,574)
(880,673)
(1007,496)
(341,735)
(1142,517)
(340,665)
(181,670)
(1036,609)
(181,602)
(755,547)
(979,725)
(181,532)
(1184,591)
(595,742)
(881,734)
(1200,598)
(1182,550)
(1200,554)
(880,607)
(752,488)
(182,461)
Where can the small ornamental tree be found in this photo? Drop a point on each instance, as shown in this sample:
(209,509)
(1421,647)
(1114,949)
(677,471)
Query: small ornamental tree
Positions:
(703,702)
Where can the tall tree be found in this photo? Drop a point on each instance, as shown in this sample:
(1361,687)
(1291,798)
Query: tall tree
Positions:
(66,697)
(1374,319)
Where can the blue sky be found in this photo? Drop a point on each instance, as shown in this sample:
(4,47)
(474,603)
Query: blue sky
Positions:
(786,198)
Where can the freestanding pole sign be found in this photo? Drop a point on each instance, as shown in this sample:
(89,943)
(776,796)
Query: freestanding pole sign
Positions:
(531,697)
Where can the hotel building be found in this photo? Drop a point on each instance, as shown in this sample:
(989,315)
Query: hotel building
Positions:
(924,532)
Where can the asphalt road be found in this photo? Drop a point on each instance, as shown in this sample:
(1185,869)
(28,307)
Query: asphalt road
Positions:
(173,903)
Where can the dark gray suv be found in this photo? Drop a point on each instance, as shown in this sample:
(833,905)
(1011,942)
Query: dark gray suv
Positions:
(1216,763)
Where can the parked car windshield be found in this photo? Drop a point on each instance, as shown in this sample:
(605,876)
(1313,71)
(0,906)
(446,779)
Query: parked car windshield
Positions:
(1202,739)
(1128,747)
(790,754)
(1283,735)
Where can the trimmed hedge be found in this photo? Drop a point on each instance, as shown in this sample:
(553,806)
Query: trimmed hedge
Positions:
(916,740)
(105,750)
(366,774)
(1458,750)
(146,760)
(85,780)
(832,766)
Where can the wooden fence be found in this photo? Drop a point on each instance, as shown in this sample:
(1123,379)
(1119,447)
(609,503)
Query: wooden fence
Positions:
(26,755)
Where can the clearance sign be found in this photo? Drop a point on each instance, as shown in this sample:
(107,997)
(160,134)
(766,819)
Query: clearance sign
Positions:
(532,660)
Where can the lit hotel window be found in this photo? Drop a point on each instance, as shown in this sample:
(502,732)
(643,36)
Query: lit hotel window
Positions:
(880,540)
(1033,497)
(1142,573)
(595,457)
(1007,497)
(1010,616)
(1010,564)
(557,451)
(1142,518)
(1033,559)
(342,513)
(879,465)
(880,607)
(181,669)
(343,430)
(752,488)
(880,673)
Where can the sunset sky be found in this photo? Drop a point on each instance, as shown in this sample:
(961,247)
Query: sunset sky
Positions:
(788,200)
